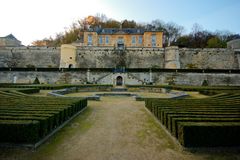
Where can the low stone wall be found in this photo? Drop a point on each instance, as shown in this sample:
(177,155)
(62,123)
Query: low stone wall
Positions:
(44,77)
(196,79)
(130,78)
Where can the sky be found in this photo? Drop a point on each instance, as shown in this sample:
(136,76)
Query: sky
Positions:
(30,20)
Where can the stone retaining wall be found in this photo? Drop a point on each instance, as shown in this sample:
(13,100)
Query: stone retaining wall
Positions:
(139,78)
(107,57)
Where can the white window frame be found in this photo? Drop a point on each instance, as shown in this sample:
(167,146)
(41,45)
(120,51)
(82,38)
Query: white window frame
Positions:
(133,39)
(154,40)
(140,39)
(107,39)
(90,39)
(100,40)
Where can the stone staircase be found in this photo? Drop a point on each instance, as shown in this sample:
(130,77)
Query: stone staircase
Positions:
(99,79)
(119,89)
(131,76)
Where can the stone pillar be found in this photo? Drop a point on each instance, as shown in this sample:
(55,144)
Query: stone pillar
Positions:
(88,75)
(15,79)
(172,58)
(150,76)
(237,54)
(68,56)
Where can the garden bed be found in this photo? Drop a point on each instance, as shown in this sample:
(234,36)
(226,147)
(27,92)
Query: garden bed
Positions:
(207,122)
(26,120)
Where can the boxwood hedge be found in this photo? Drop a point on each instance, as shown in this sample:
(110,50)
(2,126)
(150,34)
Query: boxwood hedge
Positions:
(26,119)
(209,122)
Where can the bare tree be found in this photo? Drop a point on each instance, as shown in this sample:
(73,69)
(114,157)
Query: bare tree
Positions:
(223,35)
(196,28)
(159,25)
(172,32)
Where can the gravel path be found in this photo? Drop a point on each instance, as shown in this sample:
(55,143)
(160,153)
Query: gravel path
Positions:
(116,128)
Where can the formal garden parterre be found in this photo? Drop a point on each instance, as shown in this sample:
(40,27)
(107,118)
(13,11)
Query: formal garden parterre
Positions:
(26,119)
(209,122)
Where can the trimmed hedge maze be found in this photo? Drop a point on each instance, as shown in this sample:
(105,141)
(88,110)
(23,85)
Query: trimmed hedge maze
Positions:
(209,122)
(27,120)
(56,86)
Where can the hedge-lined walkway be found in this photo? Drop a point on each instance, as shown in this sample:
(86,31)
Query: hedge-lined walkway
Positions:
(116,128)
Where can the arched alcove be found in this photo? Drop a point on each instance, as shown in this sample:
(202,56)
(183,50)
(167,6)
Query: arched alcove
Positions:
(119,81)
(70,66)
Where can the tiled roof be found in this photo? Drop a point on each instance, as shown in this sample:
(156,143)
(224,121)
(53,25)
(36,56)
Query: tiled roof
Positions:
(10,36)
(120,31)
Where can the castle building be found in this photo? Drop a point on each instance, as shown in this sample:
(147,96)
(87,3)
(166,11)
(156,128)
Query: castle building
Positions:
(9,41)
(123,37)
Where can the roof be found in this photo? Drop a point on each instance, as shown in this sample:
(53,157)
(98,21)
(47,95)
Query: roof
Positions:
(119,31)
(10,36)
(235,44)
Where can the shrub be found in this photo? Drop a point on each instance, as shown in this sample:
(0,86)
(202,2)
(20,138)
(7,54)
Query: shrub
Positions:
(30,66)
(23,131)
(191,66)
(209,122)
(205,82)
(27,119)
(36,81)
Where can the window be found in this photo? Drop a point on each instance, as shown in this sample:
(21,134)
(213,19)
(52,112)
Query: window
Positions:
(153,40)
(120,43)
(140,39)
(120,40)
(107,39)
(100,40)
(89,39)
(133,39)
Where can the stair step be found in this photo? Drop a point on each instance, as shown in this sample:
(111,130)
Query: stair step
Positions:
(119,89)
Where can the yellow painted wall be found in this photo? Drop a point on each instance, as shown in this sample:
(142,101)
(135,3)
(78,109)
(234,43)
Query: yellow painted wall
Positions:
(148,39)
(94,38)
(68,56)
(113,39)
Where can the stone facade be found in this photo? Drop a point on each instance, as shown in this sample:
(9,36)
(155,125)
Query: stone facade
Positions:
(130,58)
(108,57)
(170,57)
(92,59)
(216,58)
(29,57)
(128,78)
(68,56)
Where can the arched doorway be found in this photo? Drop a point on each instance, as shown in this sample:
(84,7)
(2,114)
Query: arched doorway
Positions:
(119,81)
(70,66)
